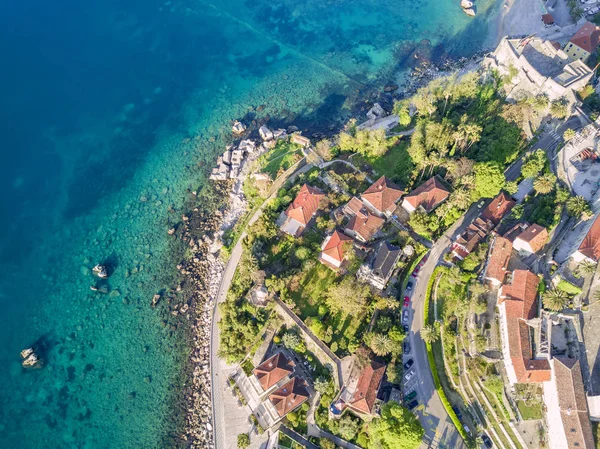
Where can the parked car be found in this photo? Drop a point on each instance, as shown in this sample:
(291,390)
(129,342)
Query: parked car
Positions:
(405,317)
(410,396)
(415,273)
(409,287)
(412,405)
(406,328)
(408,376)
(408,364)
(406,301)
(486,440)
(406,346)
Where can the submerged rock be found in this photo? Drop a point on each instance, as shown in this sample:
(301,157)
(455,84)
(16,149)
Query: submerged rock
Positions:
(100,271)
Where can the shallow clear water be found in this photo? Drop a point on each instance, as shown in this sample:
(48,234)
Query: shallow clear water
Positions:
(110,111)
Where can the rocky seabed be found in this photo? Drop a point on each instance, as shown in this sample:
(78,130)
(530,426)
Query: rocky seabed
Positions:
(205,271)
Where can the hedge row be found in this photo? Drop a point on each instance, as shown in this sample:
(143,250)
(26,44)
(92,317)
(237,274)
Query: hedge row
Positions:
(436,378)
(411,269)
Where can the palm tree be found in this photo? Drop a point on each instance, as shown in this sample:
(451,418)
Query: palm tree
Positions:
(429,333)
(461,198)
(577,206)
(381,344)
(586,268)
(555,300)
(545,184)
(559,108)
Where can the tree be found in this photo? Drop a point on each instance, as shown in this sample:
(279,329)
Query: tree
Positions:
(555,299)
(321,385)
(396,428)
(518,211)
(380,344)
(369,143)
(326,443)
(511,187)
(577,206)
(243,440)
(291,340)
(534,164)
(489,179)
(559,108)
(586,268)
(401,109)
(586,91)
(423,224)
(348,297)
(539,103)
(569,134)
(324,149)
(429,333)
(348,427)
(545,183)
(460,168)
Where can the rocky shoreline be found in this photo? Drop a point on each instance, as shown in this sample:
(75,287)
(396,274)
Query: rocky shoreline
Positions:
(203,272)
(202,230)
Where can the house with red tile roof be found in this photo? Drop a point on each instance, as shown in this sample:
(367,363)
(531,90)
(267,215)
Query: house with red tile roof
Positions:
(273,370)
(482,226)
(360,393)
(583,43)
(566,404)
(362,224)
(289,396)
(517,306)
(382,196)
(497,263)
(471,237)
(333,250)
(427,196)
(589,249)
(531,240)
(300,211)
(498,208)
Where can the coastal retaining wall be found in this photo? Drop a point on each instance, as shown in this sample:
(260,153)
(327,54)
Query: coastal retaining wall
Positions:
(325,355)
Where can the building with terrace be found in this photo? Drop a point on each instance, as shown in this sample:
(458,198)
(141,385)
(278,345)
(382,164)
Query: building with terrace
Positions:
(300,212)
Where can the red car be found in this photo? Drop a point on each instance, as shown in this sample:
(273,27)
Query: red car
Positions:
(406,301)
(416,272)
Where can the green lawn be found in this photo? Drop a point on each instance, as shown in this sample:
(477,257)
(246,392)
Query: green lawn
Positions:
(315,283)
(396,164)
(530,411)
(282,157)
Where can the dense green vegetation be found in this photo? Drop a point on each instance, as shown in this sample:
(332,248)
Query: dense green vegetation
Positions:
(396,428)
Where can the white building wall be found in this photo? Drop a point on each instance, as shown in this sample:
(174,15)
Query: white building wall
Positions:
(556,431)
(510,370)
(578,257)
(408,207)
(331,260)
(522,246)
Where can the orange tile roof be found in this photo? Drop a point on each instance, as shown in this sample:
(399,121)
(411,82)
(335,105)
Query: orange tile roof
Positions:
(334,247)
(383,194)
(590,246)
(548,19)
(498,259)
(367,387)
(366,225)
(305,205)
(273,370)
(587,37)
(535,235)
(521,293)
(289,396)
(498,208)
(428,195)
(573,403)
(354,206)
(520,304)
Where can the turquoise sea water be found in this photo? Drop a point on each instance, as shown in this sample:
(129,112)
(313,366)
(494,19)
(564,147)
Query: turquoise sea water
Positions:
(110,112)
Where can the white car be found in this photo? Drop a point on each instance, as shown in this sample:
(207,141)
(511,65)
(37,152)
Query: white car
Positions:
(408,376)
